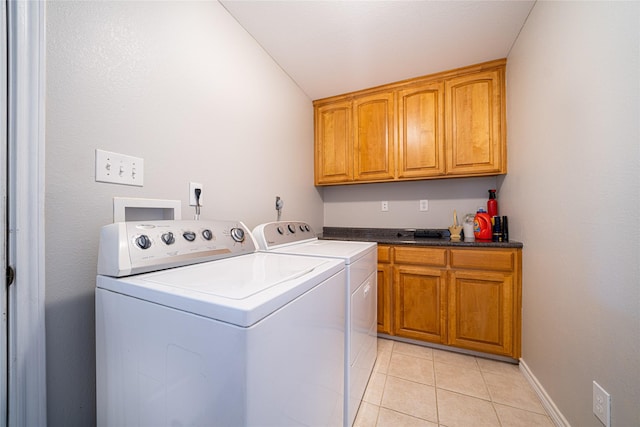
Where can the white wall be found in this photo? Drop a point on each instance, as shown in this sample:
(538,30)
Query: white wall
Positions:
(573,85)
(181,85)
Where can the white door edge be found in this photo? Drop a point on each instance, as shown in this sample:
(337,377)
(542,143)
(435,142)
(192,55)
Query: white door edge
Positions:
(27,374)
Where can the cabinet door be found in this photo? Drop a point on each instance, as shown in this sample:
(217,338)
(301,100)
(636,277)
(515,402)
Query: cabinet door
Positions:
(421,131)
(420,303)
(481,311)
(474,123)
(333,143)
(374,137)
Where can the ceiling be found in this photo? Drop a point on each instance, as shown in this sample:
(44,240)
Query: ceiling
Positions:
(333,47)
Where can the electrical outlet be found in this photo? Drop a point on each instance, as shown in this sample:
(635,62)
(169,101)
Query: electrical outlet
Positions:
(119,168)
(602,404)
(192,193)
(424,205)
(384,206)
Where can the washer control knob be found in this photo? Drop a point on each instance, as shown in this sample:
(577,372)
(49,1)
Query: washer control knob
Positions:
(143,241)
(189,235)
(292,228)
(207,234)
(168,238)
(280,230)
(237,234)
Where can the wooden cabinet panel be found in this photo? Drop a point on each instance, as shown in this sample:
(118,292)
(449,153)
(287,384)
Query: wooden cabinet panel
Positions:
(384,299)
(483,259)
(384,254)
(481,311)
(420,256)
(333,147)
(374,137)
(421,131)
(474,117)
(384,290)
(420,303)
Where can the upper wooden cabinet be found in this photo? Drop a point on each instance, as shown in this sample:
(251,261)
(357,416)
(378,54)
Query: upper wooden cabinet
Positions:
(450,124)
(373,137)
(421,131)
(333,158)
(474,114)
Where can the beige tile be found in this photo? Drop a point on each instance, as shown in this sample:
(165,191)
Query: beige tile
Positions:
(514,417)
(463,380)
(367,415)
(413,350)
(375,387)
(411,368)
(389,418)
(513,391)
(411,398)
(452,358)
(385,345)
(498,367)
(457,410)
(382,361)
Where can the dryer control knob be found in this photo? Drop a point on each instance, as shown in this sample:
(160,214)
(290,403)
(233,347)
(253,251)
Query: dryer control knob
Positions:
(168,238)
(237,234)
(207,234)
(189,235)
(143,242)
(292,228)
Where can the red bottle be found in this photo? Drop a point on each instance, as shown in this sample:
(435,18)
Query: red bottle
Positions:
(492,204)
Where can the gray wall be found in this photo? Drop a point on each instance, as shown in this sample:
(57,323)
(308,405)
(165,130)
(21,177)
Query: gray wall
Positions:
(181,85)
(573,84)
(359,205)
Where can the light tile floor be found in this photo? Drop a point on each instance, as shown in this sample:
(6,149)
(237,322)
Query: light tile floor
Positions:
(418,386)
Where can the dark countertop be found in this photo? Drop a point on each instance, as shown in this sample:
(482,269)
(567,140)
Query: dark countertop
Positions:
(407,236)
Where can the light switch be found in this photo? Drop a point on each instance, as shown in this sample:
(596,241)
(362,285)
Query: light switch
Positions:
(119,168)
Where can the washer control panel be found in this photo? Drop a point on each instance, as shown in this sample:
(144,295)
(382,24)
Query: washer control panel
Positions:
(275,234)
(128,248)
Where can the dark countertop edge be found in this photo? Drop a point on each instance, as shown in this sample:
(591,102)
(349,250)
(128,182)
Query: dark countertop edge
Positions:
(405,236)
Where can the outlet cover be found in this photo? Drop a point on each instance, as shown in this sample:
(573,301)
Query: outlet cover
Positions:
(192,193)
(602,404)
(424,205)
(384,206)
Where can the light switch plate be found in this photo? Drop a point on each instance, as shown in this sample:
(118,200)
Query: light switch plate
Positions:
(118,168)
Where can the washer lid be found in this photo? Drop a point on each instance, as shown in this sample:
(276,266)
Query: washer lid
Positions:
(239,290)
(350,251)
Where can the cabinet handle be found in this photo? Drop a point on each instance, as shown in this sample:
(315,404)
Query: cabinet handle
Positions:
(367,289)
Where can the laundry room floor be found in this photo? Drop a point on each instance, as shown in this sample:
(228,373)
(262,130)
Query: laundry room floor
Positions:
(418,386)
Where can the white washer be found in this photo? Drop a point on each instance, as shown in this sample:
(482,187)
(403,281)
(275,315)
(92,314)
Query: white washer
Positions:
(295,237)
(243,339)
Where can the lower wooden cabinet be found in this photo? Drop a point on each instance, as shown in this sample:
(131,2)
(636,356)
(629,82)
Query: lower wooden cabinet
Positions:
(463,297)
(420,303)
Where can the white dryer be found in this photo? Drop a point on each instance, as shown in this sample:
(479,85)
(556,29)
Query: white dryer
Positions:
(194,327)
(295,237)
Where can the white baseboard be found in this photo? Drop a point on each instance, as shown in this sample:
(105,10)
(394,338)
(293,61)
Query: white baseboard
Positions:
(554,413)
